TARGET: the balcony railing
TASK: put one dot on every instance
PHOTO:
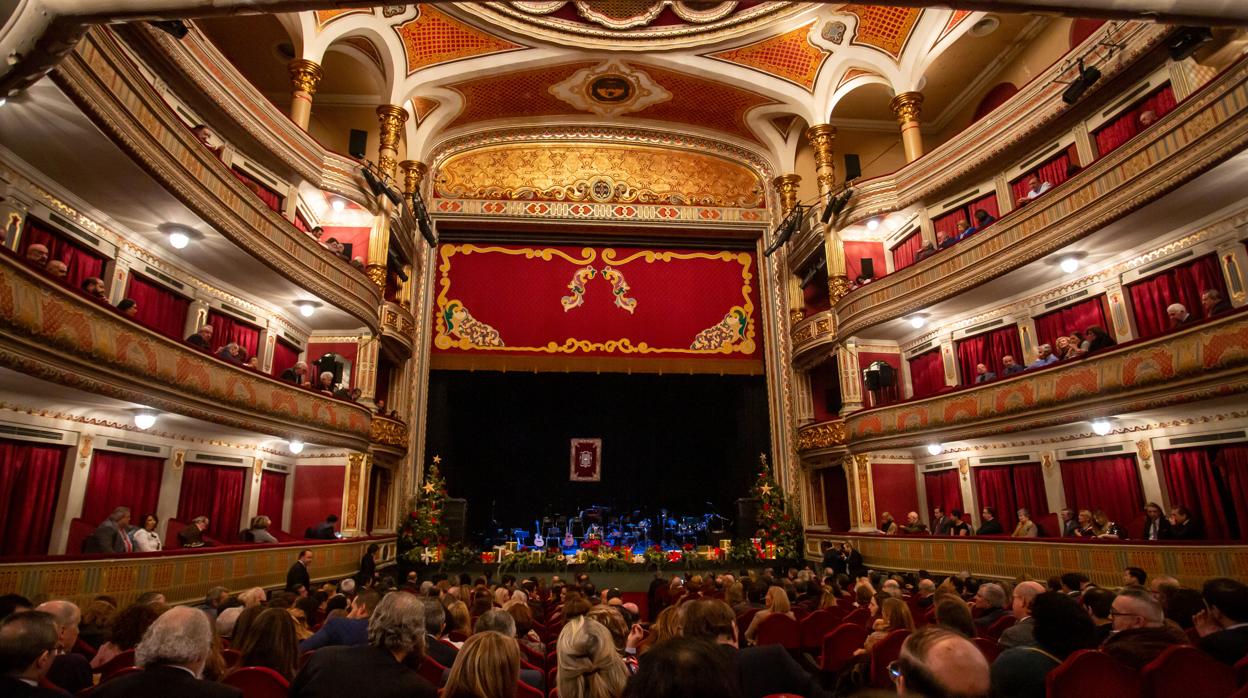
(821, 436)
(397, 329)
(111, 90)
(390, 435)
(811, 334)
(1201, 132)
(52, 332)
(1202, 361)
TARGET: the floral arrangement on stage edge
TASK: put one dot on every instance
(778, 517)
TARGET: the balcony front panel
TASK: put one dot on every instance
(1198, 363)
(388, 436)
(1200, 133)
(56, 334)
(822, 436)
(100, 78)
(398, 327)
(812, 334)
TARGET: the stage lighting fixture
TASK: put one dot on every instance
(1087, 78)
(422, 218)
(935, 449)
(785, 230)
(295, 446)
(173, 27)
(3, 101)
(307, 308)
(835, 205)
(1102, 427)
(144, 419)
(1183, 43)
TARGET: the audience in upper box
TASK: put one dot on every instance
(202, 338)
(192, 536)
(146, 538)
(1212, 302)
(1026, 528)
(112, 535)
(1178, 315)
(1034, 189)
(1045, 357)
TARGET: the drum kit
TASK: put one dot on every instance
(635, 529)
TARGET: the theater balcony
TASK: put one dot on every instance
(388, 436)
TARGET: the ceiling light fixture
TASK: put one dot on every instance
(307, 308)
(144, 419)
(295, 446)
(4, 101)
(1070, 265)
(935, 449)
(179, 240)
(873, 224)
(1102, 427)
(337, 204)
(917, 321)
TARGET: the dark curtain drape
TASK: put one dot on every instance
(927, 373)
(1182, 284)
(1054, 171)
(987, 349)
(270, 198)
(1111, 483)
(382, 389)
(1213, 483)
(943, 489)
(1127, 125)
(1008, 488)
(948, 223)
(226, 329)
(30, 483)
(1029, 489)
(836, 498)
(83, 263)
(904, 252)
(273, 496)
(285, 355)
(158, 308)
(216, 492)
(1231, 463)
(122, 480)
(1072, 318)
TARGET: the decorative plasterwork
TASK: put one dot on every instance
(368, 49)
(324, 17)
(819, 436)
(611, 88)
(789, 56)
(422, 107)
(812, 333)
(601, 173)
(433, 37)
(884, 28)
(954, 20)
(854, 73)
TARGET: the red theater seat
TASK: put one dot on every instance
(884, 653)
(743, 623)
(779, 629)
(432, 671)
(1091, 673)
(813, 627)
(79, 529)
(858, 616)
(1050, 526)
(1183, 670)
(116, 664)
(991, 649)
(258, 682)
(524, 690)
(1000, 625)
(839, 645)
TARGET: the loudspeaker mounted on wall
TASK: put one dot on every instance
(853, 167)
(868, 267)
(358, 143)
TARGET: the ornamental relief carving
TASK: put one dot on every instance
(824, 435)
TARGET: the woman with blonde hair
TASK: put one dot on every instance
(227, 618)
(458, 619)
(894, 615)
(665, 627)
(589, 666)
(777, 602)
(828, 599)
(487, 666)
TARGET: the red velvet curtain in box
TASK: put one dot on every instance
(122, 480)
(272, 496)
(904, 252)
(1111, 483)
(987, 348)
(30, 483)
(987, 204)
(300, 222)
(1182, 284)
(1213, 483)
(1232, 465)
(216, 492)
(226, 329)
(285, 355)
(1072, 318)
(1029, 490)
(1008, 488)
(1054, 171)
(927, 373)
(948, 223)
(158, 308)
(944, 489)
(83, 263)
(1127, 125)
(270, 198)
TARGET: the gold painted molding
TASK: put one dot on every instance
(812, 336)
(816, 437)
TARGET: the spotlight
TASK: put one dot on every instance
(179, 240)
(1087, 78)
(786, 229)
(295, 446)
(873, 224)
(338, 205)
(935, 449)
(835, 205)
(917, 321)
(144, 419)
(1102, 427)
(1070, 265)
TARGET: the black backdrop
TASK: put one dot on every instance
(677, 441)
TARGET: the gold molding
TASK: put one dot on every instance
(390, 120)
(786, 187)
(822, 138)
(822, 435)
(304, 75)
(907, 106)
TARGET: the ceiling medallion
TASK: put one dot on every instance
(612, 88)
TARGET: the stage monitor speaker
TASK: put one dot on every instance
(853, 167)
(868, 267)
(747, 516)
(357, 143)
(454, 515)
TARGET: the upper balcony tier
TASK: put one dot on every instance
(55, 333)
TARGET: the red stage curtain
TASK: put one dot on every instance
(270, 198)
(1054, 171)
(83, 263)
(285, 355)
(927, 373)
(1127, 125)
(1111, 483)
(272, 496)
(30, 483)
(1072, 318)
(904, 252)
(1182, 284)
(216, 492)
(943, 489)
(987, 349)
(1029, 490)
(948, 223)
(226, 329)
(158, 308)
(995, 488)
(122, 480)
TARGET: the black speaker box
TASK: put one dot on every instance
(747, 516)
(454, 516)
(853, 166)
(358, 143)
(868, 267)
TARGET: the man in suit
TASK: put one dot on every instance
(1178, 315)
(935, 661)
(69, 671)
(298, 573)
(1069, 523)
(1212, 302)
(1183, 526)
(1009, 366)
(297, 374)
(396, 633)
(940, 522)
(990, 600)
(1156, 525)
(1022, 633)
(323, 530)
(202, 338)
(990, 526)
(351, 630)
(1223, 625)
(1140, 632)
(172, 655)
(762, 670)
(983, 375)
(435, 626)
(193, 535)
(111, 535)
(27, 650)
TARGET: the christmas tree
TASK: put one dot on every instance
(778, 517)
(424, 526)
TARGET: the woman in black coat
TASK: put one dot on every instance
(368, 567)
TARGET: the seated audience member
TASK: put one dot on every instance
(112, 535)
(232, 353)
(228, 618)
(777, 601)
(964, 230)
(685, 668)
(1134, 577)
(192, 536)
(1069, 524)
(953, 613)
(1140, 630)
(1085, 527)
(957, 526)
(37, 255)
(1223, 625)
(588, 664)
(297, 575)
(499, 621)
(487, 667)
(943, 241)
(259, 530)
(1156, 525)
(323, 530)
(894, 615)
(173, 655)
(990, 526)
(126, 631)
(436, 645)
(1034, 189)
(1212, 303)
(57, 270)
(208, 139)
(147, 539)
(1045, 357)
(1096, 339)
(913, 525)
(1183, 526)
(983, 375)
(887, 526)
(1021, 633)
(202, 338)
(1064, 349)
(761, 671)
(925, 250)
(1026, 528)
(350, 630)
(297, 374)
(1061, 628)
(69, 671)
(325, 382)
(97, 618)
(983, 219)
(271, 643)
(14, 603)
(1009, 366)
(27, 650)
(94, 286)
(128, 307)
(396, 639)
(925, 596)
(940, 523)
(1099, 604)
(1106, 528)
(1178, 315)
(990, 601)
(935, 661)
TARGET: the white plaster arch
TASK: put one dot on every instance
(384, 39)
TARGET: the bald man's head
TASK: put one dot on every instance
(66, 616)
(1024, 594)
(939, 662)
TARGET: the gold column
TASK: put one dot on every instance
(390, 119)
(786, 187)
(413, 175)
(907, 106)
(822, 137)
(304, 77)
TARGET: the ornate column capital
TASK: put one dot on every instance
(413, 174)
(390, 119)
(907, 106)
(822, 137)
(304, 75)
(786, 187)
